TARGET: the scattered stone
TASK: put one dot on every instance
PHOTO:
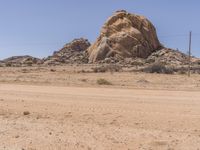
(84, 80)
(168, 56)
(26, 113)
(143, 81)
(52, 70)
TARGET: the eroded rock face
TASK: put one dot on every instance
(125, 35)
(73, 52)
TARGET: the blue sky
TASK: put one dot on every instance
(39, 27)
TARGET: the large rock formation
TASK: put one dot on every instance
(73, 52)
(125, 35)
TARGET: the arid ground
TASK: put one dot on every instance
(59, 108)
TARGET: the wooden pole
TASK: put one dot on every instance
(189, 54)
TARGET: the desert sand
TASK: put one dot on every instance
(45, 109)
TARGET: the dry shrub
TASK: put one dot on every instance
(29, 63)
(24, 70)
(99, 69)
(182, 70)
(102, 81)
(107, 68)
(84, 80)
(53, 70)
(158, 68)
(8, 64)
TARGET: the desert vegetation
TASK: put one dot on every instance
(102, 81)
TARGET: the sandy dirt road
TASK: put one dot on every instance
(98, 118)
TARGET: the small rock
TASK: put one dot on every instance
(26, 113)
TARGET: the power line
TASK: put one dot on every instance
(178, 35)
(64, 42)
(175, 35)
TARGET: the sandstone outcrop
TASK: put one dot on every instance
(125, 35)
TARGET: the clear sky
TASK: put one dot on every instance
(39, 27)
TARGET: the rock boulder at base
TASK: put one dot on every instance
(168, 56)
(125, 35)
(73, 52)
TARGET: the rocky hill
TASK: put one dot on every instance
(73, 52)
(124, 39)
(17, 61)
(168, 56)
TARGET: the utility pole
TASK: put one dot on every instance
(189, 54)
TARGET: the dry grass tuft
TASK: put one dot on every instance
(102, 81)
